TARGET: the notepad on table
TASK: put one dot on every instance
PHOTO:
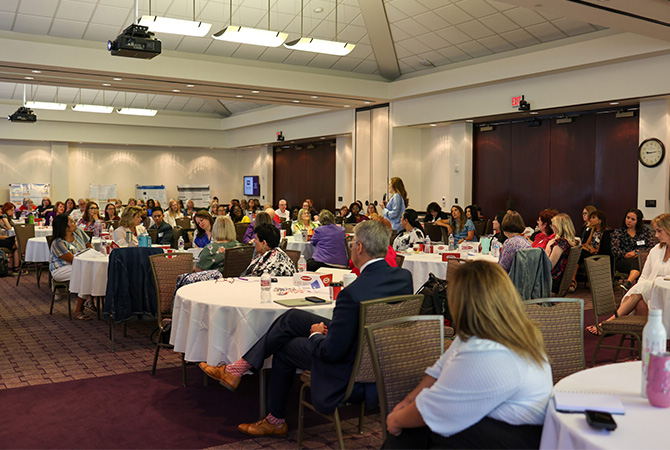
(298, 302)
(571, 401)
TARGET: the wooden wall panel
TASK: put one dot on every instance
(571, 185)
(491, 169)
(529, 169)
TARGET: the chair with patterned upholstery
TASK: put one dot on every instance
(240, 229)
(570, 268)
(294, 255)
(628, 327)
(371, 311)
(433, 231)
(237, 260)
(23, 232)
(452, 265)
(166, 268)
(401, 350)
(561, 322)
(399, 260)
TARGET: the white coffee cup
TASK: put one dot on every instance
(348, 278)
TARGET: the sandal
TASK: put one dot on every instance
(573, 286)
(89, 305)
(593, 330)
(81, 316)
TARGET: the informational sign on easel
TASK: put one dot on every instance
(154, 192)
(199, 195)
(102, 192)
(34, 191)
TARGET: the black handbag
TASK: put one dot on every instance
(434, 292)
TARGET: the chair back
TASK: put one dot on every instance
(452, 266)
(561, 322)
(237, 260)
(184, 222)
(642, 258)
(177, 234)
(286, 225)
(570, 268)
(480, 227)
(347, 241)
(23, 233)
(374, 311)
(399, 260)
(283, 243)
(433, 231)
(89, 233)
(240, 229)
(50, 240)
(489, 227)
(113, 223)
(153, 234)
(531, 273)
(349, 227)
(166, 268)
(401, 350)
(600, 282)
(294, 255)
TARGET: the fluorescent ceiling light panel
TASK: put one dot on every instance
(159, 24)
(320, 46)
(93, 109)
(137, 112)
(253, 36)
(46, 105)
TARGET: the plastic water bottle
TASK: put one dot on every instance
(266, 284)
(111, 231)
(452, 242)
(653, 341)
(302, 264)
(496, 249)
(180, 243)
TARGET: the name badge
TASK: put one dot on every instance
(161, 235)
(640, 243)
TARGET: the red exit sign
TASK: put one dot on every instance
(516, 101)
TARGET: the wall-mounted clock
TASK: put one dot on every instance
(651, 152)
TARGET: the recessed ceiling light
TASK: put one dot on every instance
(29, 78)
(117, 79)
(614, 103)
(367, 103)
(433, 125)
(323, 138)
(468, 120)
(36, 71)
(296, 101)
(190, 85)
(176, 90)
(346, 106)
(255, 92)
(106, 84)
(239, 96)
(318, 10)
(315, 96)
(533, 112)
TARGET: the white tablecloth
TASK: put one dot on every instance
(42, 231)
(37, 250)
(306, 248)
(220, 321)
(89, 274)
(660, 299)
(422, 264)
(642, 427)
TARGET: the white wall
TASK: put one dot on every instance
(653, 182)
(344, 173)
(23, 162)
(406, 162)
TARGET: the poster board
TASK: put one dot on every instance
(102, 192)
(35, 191)
(199, 195)
(155, 192)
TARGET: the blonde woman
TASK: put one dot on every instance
(130, 221)
(459, 225)
(212, 257)
(558, 248)
(173, 213)
(491, 388)
(396, 206)
(657, 266)
(304, 222)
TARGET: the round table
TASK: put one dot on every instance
(422, 264)
(37, 250)
(219, 321)
(641, 427)
(89, 274)
(43, 231)
(306, 248)
(660, 299)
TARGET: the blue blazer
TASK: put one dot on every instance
(333, 354)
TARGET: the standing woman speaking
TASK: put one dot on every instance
(396, 206)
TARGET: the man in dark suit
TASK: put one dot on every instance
(302, 340)
(165, 233)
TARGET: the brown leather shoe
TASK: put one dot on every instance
(264, 428)
(220, 374)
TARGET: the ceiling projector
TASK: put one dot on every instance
(136, 41)
(23, 114)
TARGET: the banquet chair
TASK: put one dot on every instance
(184, 222)
(294, 255)
(165, 268)
(240, 229)
(628, 327)
(58, 287)
(153, 234)
(401, 350)
(480, 227)
(347, 241)
(283, 243)
(489, 227)
(237, 260)
(112, 223)
(371, 311)
(399, 260)
(177, 234)
(570, 268)
(452, 265)
(434, 232)
(561, 322)
(286, 225)
(530, 273)
(349, 227)
(23, 232)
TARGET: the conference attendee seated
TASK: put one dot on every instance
(391, 255)
(203, 228)
(627, 242)
(151, 204)
(172, 213)
(130, 222)
(559, 247)
(262, 217)
(77, 214)
(355, 215)
(238, 216)
(512, 226)
(221, 210)
(59, 208)
(459, 225)
(303, 223)
(269, 257)
(26, 207)
(412, 232)
(544, 234)
(111, 212)
(328, 240)
(119, 208)
(45, 207)
(165, 233)
(68, 240)
(91, 218)
(9, 242)
(281, 212)
(497, 228)
(212, 257)
(434, 212)
(302, 340)
(490, 389)
(344, 211)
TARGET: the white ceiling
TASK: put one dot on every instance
(426, 34)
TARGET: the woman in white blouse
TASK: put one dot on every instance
(173, 213)
(412, 232)
(130, 222)
(491, 388)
